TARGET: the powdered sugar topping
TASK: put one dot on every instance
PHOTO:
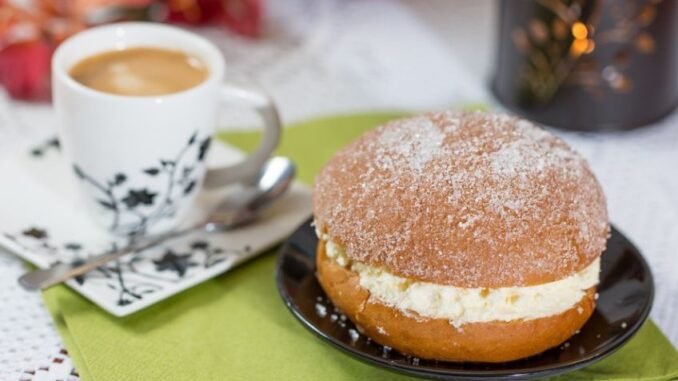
(415, 142)
(460, 198)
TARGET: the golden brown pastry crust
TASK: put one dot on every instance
(463, 199)
(437, 338)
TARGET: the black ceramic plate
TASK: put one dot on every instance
(626, 291)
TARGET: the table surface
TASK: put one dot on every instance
(334, 56)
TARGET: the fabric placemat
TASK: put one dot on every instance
(236, 326)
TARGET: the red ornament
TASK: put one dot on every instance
(241, 16)
(25, 69)
(193, 12)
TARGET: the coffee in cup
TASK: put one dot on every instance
(140, 71)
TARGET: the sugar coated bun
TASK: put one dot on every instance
(461, 236)
(464, 199)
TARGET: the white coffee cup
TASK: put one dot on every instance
(139, 160)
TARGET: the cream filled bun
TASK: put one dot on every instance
(461, 236)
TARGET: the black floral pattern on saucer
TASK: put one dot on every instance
(49, 145)
(140, 274)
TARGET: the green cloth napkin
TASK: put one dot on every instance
(236, 327)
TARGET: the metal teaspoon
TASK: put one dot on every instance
(238, 209)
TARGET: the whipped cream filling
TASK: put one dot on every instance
(469, 305)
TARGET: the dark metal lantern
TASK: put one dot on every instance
(588, 64)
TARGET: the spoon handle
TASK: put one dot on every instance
(44, 278)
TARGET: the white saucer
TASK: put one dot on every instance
(42, 222)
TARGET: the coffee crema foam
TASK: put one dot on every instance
(140, 71)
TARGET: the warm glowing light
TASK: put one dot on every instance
(579, 30)
(579, 47)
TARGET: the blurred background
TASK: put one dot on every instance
(273, 41)
(400, 54)
(575, 64)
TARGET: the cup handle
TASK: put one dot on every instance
(236, 94)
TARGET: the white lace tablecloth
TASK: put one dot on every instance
(332, 56)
